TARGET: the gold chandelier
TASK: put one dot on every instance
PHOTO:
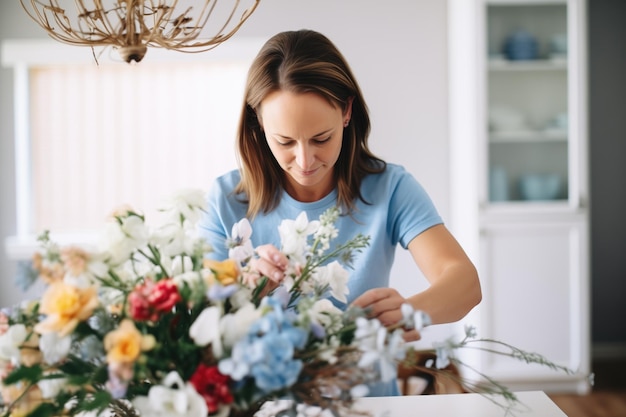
(131, 26)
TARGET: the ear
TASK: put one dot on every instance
(347, 112)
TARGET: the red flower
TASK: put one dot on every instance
(212, 386)
(150, 299)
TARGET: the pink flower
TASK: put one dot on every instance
(4, 323)
(149, 300)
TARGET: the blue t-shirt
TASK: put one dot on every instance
(399, 210)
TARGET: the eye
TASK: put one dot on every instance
(284, 143)
(321, 141)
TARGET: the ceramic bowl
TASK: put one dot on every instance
(538, 187)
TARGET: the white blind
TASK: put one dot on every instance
(103, 136)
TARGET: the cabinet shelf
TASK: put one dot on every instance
(551, 64)
(525, 207)
(525, 136)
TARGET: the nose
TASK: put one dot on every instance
(304, 156)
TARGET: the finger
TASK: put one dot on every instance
(271, 254)
(268, 269)
(370, 297)
(411, 336)
(386, 301)
(389, 317)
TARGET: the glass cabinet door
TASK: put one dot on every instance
(527, 101)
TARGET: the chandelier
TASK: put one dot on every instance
(131, 26)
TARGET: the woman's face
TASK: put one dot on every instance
(305, 133)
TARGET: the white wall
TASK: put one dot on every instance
(397, 49)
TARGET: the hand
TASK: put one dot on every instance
(271, 263)
(385, 305)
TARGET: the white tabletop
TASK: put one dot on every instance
(531, 403)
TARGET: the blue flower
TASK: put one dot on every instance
(267, 351)
(218, 292)
(279, 369)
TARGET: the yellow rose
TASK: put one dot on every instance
(65, 306)
(126, 343)
(226, 272)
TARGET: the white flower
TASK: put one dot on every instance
(324, 235)
(120, 240)
(173, 398)
(53, 347)
(328, 351)
(171, 239)
(336, 277)
(366, 333)
(414, 319)
(241, 231)
(294, 234)
(273, 408)
(241, 298)
(234, 326)
(206, 329)
(326, 314)
(180, 265)
(186, 204)
(241, 253)
(50, 388)
(304, 410)
(241, 248)
(385, 352)
(191, 278)
(444, 352)
(11, 341)
(95, 268)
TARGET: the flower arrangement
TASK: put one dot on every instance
(148, 325)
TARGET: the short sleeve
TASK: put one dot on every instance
(222, 211)
(411, 210)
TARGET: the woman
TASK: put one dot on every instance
(302, 144)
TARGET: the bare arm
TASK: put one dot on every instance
(454, 285)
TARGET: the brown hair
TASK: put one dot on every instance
(301, 61)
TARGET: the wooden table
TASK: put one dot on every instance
(531, 403)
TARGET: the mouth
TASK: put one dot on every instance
(309, 172)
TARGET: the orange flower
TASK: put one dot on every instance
(66, 306)
(124, 344)
(225, 272)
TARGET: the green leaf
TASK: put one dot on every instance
(76, 366)
(31, 374)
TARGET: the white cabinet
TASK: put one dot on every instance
(535, 297)
(519, 179)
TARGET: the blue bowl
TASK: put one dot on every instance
(521, 45)
(537, 187)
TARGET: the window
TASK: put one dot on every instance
(91, 137)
